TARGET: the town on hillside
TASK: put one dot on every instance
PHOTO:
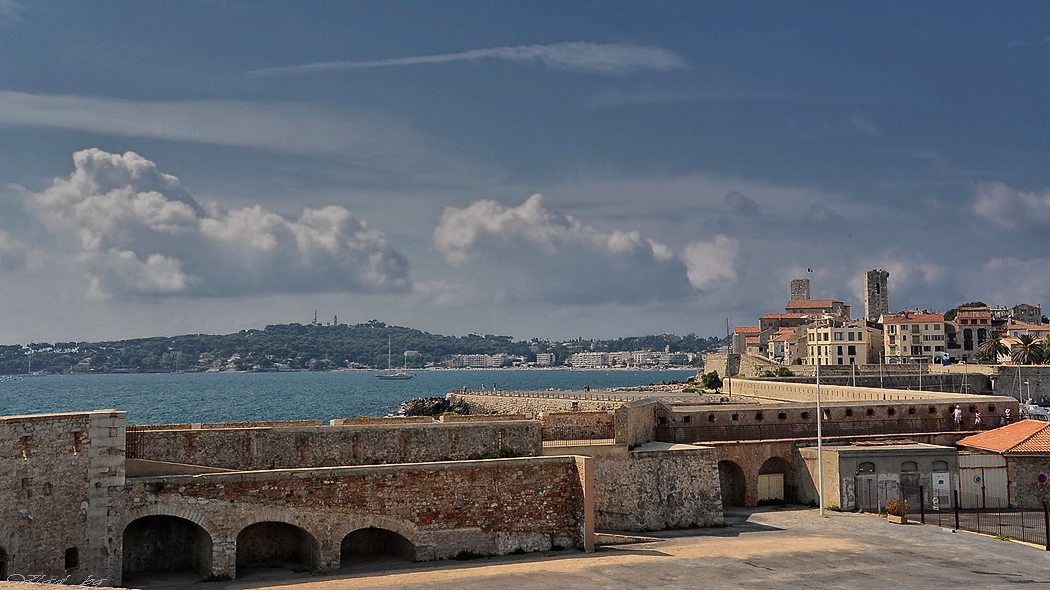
(823, 332)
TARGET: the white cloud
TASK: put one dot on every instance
(595, 58)
(135, 230)
(862, 125)
(14, 255)
(711, 262)
(538, 253)
(1010, 208)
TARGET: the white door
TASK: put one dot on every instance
(982, 481)
(771, 486)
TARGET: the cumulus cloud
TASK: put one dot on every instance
(710, 262)
(136, 230)
(540, 253)
(595, 58)
(1010, 208)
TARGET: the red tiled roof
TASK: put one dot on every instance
(753, 340)
(785, 316)
(747, 330)
(1024, 436)
(811, 303)
(914, 318)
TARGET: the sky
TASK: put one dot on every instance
(533, 169)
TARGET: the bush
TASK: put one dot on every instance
(897, 507)
(785, 372)
(797, 361)
(711, 381)
(767, 373)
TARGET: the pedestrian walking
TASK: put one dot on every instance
(957, 413)
(977, 420)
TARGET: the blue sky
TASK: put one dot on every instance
(534, 169)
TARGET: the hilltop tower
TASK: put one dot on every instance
(800, 289)
(876, 294)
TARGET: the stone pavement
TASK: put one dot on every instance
(764, 548)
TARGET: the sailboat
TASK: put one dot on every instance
(391, 375)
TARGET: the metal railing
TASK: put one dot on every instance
(780, 430)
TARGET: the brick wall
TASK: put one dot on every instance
(578, 425)
(329, 446)
(485, 507)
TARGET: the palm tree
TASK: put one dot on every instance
(1044, 350)
(993, 348)
(1027, 352)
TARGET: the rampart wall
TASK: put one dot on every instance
(578, 425)
(329, 446)
(60, 473)
(485, 507)
(533, 403)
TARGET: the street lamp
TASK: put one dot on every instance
(1029, 388)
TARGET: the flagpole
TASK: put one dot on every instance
(820, 439)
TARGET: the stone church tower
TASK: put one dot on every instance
(876, 294)
(800, 289)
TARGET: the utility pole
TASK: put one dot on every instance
(820, 442)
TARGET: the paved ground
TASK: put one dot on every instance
(794, 548)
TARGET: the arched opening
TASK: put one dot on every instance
(275, 545)
(3, 564)
(372, 544)
(776, 482)
(731, 479)
(166, 546)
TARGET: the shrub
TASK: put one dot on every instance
(897, 507)
(785, 372)
(711, 381)
(797, 361)
(767, 373)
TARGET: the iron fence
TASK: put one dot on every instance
(808, 429)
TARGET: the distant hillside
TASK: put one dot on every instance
(304, 347)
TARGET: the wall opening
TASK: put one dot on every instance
(276, 545)
(789, 489)
(72, 558)
(3, 564)
(731, 480)
(165, 546)
(373, 544)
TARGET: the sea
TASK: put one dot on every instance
(174, 398)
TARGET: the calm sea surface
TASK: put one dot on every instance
(234, 397)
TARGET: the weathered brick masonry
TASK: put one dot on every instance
(487, 507)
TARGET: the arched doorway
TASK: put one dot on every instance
(165, 546)
(374, 544)
(776, 482)
(731, 479)
(276, 545)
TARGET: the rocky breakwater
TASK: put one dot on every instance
(432, 406)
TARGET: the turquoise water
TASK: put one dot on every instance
(235, 397)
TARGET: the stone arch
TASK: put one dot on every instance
(733, 483)
(374, 544)
(406, 529)
(172, 510)
(162, 544)
(270, 543)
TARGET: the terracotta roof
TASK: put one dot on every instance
(913, 318)
(811, 303)
(747, 330)
(785, 316)
(753, 340)
(1024, 436)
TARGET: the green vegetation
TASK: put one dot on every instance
(711, 381)
(1003, 537)
(298, 347)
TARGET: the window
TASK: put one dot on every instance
(851, 350)
(838, 336)
(758, 416)
(840, 350)
(710, 417)
(686, 419)
(893, 329)
(849, 412)
(911, 410)
(909, 467)
(933, 410)
(782, 416)
(891, 412)
(940, 466)
(804, 415)
(870, 412)
(72, 558)
(851, 336)
(734, 417)
(866, 467)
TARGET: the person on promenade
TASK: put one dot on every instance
(957, 413)
(977, 420)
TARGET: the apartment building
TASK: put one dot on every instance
(914, 336)
(836, 342)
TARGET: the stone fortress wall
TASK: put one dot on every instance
(355, 442)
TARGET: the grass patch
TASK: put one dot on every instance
(1003, 537)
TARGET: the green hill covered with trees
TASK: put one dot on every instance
(304, 347)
